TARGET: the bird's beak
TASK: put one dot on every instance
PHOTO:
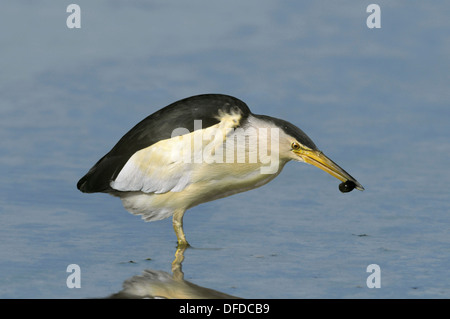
(318, 159)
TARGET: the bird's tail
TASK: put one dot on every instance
(83, 184)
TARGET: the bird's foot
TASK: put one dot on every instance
(183, 245)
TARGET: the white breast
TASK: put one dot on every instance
(194, 168)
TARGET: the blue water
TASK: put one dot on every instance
(374, 100)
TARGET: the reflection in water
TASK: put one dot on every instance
(160, 284)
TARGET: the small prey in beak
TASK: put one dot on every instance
(318, 159)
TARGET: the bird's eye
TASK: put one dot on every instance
(295, 146)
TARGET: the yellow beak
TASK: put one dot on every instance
(318, 159)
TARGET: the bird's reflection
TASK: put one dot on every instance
(160, 284)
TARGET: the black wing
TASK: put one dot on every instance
(156, 127)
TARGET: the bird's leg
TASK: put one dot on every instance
(178, 227)
(177, 273)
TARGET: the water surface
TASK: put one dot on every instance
(375, 101)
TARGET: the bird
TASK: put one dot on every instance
(199, 149)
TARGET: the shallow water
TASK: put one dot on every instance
(375, 101)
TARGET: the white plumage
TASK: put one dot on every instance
(150, 178)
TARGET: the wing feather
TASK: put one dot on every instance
(168, 165)
(153, 129)
(155, 169)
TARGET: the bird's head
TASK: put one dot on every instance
(294, 144)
